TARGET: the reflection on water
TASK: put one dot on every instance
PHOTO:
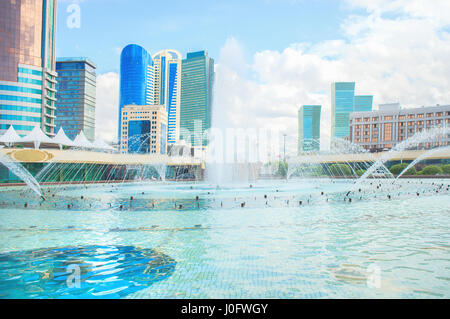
(81, 272)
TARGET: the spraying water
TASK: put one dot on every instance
(18, 170)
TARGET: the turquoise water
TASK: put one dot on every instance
(272, 239)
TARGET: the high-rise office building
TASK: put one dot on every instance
(75, 105)
(197, 82)
(27, 65)
(309, 128)
(342, 104)
(363, 103)
(136, 79)
(144, 129)
(167, 89)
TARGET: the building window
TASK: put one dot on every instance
(388, 132)
(388, 118)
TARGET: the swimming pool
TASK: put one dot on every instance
(271, 239)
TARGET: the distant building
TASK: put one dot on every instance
(344, 102)
(136, 79)
(76, 91)
(27, 65)
(167, 89)
(197, 84)
(144, 129)
(309, 128)
(383, 129)
(363, 103)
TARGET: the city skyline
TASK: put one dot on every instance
(252, 80)
(298, 71)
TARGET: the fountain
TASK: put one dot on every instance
(18, 170)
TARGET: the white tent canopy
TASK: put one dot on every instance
(10, 136)
(62, 139)
(101, 145)
(37, 137)
(82, 141)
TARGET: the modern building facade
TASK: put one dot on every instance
(363, 103)
(144, 129)
(344, 102)
(27, 65)
(383, 129)
(136, 79)
(167, 89)
(197, 84)
(309, 128)
(76, 92)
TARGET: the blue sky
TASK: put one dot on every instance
(109, 25)
(272, 56)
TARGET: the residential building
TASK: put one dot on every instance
(309, 128)
(197, 83)
(144, 129)
(76, 92)
(27, 65)
(384, 128)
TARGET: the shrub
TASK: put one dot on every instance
(446, 169)
(340, 170)
(432, 170)
(398, 168)
(360, 172)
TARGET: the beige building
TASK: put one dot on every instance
(384, 128)
(144, 129)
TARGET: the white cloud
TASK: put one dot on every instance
(106, 112)
(398, 52)
(403, 58)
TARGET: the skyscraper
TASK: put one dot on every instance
(167, 89)
(136, 79)
(75, 105)
(309, 128)
(342, 104)
(27, 65)
(363, 103)
(197, 82)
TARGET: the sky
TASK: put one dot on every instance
(272, 56)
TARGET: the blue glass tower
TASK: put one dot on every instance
(136, 78)
(309, 128)
(363, 103)
(197, 85)
(76, 90)
(342, 104)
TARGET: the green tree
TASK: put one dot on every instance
(360, 172)
(446, 169)
(432, 170)
(282, 168)
(398, 168)
(340, 170)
